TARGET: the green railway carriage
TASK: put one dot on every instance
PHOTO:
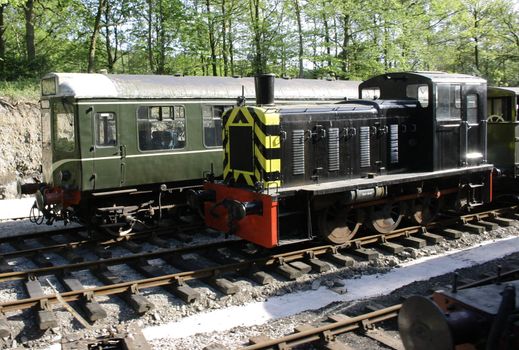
(503, 130)
(118, 149)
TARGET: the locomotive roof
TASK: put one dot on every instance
(437, 77)
(123, 86)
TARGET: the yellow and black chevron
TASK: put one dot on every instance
(252, 147)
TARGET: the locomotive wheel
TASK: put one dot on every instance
(338, 224)
(386, 217)
(424, 210)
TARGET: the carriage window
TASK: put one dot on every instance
(370, 93)
(161, 127)
(448, 101)
(212, 119)
(472, 108)
(64, 127)
(106, 129)
(419, 92)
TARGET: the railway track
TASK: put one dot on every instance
(338, 325)
(210, 263)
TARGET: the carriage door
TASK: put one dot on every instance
(108, 154)
(448, 124)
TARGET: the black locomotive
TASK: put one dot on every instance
(414, 144)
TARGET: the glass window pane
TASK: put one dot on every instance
(472, 108)
(212, 120)
(106, 130)
(419, 92)
(448, 101)
(161, 132)
(64, 127)
(370, 93)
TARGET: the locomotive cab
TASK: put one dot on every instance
(450, 119)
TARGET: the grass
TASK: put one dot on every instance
(23, 89)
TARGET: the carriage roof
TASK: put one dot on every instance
(122, 86)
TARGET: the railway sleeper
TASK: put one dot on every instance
(181, 290)
(413, 242)
(88, 304)
(259, 276)
(450, 233)
(501, 221)
(391, 247)
(45, 317)
(366, 253)
(4, 266)
(66, 253)
(431, 238)
(489, 226)
(222, 284)
(138, 302)
(473, 228)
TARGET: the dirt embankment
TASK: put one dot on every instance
(20, 143)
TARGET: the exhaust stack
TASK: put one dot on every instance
(264, 84)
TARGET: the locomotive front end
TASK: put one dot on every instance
(242, 204)
(59, 191)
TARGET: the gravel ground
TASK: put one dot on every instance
(169, 308)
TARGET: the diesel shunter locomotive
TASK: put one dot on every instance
(413, 145)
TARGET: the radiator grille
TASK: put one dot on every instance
(298, 152)
(333, 149)
(365, 159)
(393, 143)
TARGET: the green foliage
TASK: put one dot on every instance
(20, 89)
(346, 39)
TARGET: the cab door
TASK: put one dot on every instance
(474, 124)
(448, 125)
(108, 153)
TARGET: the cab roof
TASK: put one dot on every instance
(435, 77)
(123, 86)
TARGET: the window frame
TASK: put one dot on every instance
(148, 119)
(454, 101)
(96, 130)
(211, 106)
(58, 108)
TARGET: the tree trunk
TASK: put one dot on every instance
(150, 37)
(224, 39)
(300, 37)
(346, 44)
(28, 10)
(212, 42)
(93, 38)
(258, 64)
(109, 57)
(327, 41)
(161, 35)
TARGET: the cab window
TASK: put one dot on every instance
(448, 101)
(212, 120)
(106, 129)
(472, 108)
(371, 93)
(64, 136)
(419, 92)
(161, 127)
